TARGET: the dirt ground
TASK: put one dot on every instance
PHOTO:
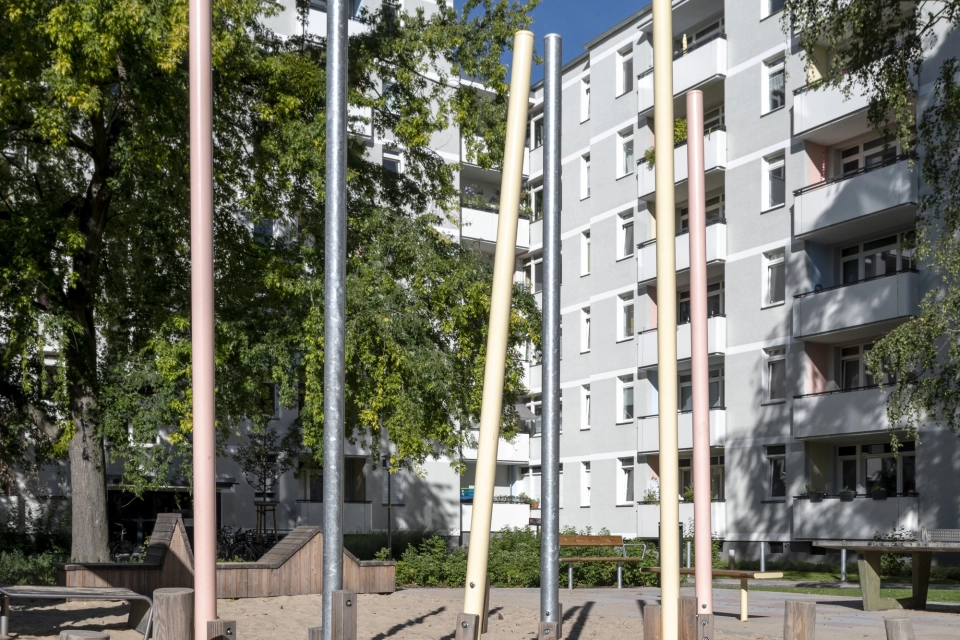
(430, 614)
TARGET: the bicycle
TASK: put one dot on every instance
(124, 550)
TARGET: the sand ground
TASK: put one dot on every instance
(430, 614)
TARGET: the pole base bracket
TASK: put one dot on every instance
(705, 626)
(468, 627)
(222, 630)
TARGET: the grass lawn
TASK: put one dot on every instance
(933, 595)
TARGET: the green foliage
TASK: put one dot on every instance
(679, 138)
(367, 546)
(881, 45)
(16, 567)
(895, 564)
(264, 457)
(35, 532)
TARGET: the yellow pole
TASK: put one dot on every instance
(666, 319)
(493, 373)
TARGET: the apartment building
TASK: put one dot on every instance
(807, 211)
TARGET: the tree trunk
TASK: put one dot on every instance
(89, 526)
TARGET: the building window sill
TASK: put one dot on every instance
(773, 501)
(626, 339)
(630, 421)
(773, 208)
(626, 175)
(762, 115)
(772, 305)
(583, 352)
(626, 257)
(624, 504)
(772, 402)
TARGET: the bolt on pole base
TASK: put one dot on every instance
(221, 630)
(344, 615)
(552, 630)
(468, 627)
(705, 626)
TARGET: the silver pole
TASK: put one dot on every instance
(335, 307)
(843, 565)
(763, 556)
(688, 554)
(550, 440)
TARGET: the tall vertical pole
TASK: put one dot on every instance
(666, 318)
(504, 265)
(335, 308)
(550, 441)
(702, 529)
(201, 312)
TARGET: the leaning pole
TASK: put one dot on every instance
(550, 613)
(201, 318)
(701, 379)
(666, 318)
(504, 265)
(335, 310)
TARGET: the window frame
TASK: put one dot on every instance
(584, 99)
(585, 256)
(624, 384)
(768, 9)
(625, 306)
(530, 273)
(585, 483)
(626, 481)
(536, 132)
(626, 166)
(773, 356)
(585, 327)
(392, 155)
(625, 80)
(772, 163)
(772, 458)
(586, 413)
(772, 67)
(771, 260)
(625, 221)
(585, 176)
(862, 254)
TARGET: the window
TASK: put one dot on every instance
(685, 392)
(854, 373)
(391, 9)
(625, 242)
(585, 99)
(585, 407)
(625, 482)
(775, 278)
(713, 119)
(715, 302)
(391, 160)
(312, 482)
(686, 476)
(536, 202)
(847, 468)
(585, 176)
(585, 253)
(716, 384)
(625, 330)
(624, 71)
(773, 6)
(777, 463)
(775, 191)
(717, 479)
(538, 132)
(871, 153)
(537, 407)
(268, 400)
(775, 89)
(533, 274)
(585, 330)
(532, 480)
(879, 257)
(714, 210)
(354, 481)
(584, 484)
(625, 410)
(626, 163)
(776, 374)
(869, 467)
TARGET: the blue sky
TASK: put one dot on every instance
(577, 22)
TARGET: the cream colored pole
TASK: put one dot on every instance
(504, 266)
(666, 319)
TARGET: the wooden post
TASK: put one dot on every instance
(173, 614)
(468, 627)
(344, 615)
(486, 607)
(799, 620)
(83, 635)
(688, 618)
(221, 629)
(315, 633)
(705, 626)
(651, 622)
(732, 559)
(899, 629)
(744, 599)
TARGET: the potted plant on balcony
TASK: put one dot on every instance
(814, 493)
(650, 496)
(847, 494)
(878, 493)
(688, 493)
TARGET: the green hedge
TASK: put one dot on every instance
(19, 568)
(366, 545)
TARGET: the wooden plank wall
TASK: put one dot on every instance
(292, 568)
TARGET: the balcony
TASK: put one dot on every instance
(714, 159)
(480, 222)
(504, 515)
(703, 63)
(857, 310)
(716, 251)
(824, 116)
(357, 516)
(648, 431)
(517, 452)
(716, 342)
(884, 197)
(840, 413)
(834, 519)
(648, 518)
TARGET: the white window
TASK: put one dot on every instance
(537, 132)
(774, 278)
(625, 482)
(585, 99)
(532, 480)
(585, 253)
(872, 153)
(877, 258)
(774, 182)
(536, 202)
(533, 274)
(585, 330)
(624, 71)
(584, 484)
(560, 487)
(585, 176)
(715, 302)
(775, 88)
(537, 406)
(715, 209)
(392, 160)
(716, 384)
(685, 392)
(777, 470)
(311, 481)
(625, 243)
(713, 119)
(625, 329)
(625, 399)
(626, 163)
(776, 374)
(772, 6)
(879, 468)
(585, 407)
(854, 373)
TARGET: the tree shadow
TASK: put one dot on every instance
(397, 628)
(577, 628)
(42, 619)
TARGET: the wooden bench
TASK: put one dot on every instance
(597, 541)
(84, 593)
(744, 576)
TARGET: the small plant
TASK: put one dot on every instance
(650, 496)
(688, 493)
(679, 137)
(894, 564)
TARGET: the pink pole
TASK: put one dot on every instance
(702, 531)
(201, 299)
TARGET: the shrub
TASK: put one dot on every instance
(39, 569)
(366, 545)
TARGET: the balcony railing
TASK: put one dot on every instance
(860, 519)
(836, 391)
(480, 204)
(854, 174)
(820, 289)
(711, 221)
(690, 49)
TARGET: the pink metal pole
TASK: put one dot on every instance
(702, 530)
(201, 299)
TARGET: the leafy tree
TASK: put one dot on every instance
(264, 457)
(94, 221)
(887, 50)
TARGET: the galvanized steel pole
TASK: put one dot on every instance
(550, 440)
(335, 307)
(202, 318)
(702, 529)
(666, 319)
(504, 265)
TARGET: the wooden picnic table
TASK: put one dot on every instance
(61, 593)
(868, 563)
(743, 575)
